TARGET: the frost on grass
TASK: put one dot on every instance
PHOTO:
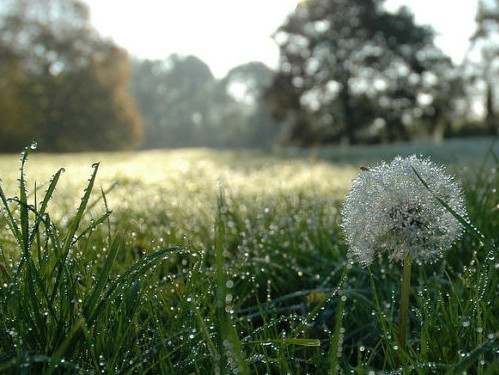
(389, 210)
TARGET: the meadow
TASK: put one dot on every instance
(197, 261)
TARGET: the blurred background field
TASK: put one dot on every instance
(189, 172)
(179, 187)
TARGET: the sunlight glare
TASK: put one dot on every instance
(223, 33)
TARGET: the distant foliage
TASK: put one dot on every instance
(60, 83)
(352, 71)
(484, 71)
(183, 105)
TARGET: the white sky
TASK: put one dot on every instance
(226, 33)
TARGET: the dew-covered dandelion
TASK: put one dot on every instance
(396, 209)
(390, 211)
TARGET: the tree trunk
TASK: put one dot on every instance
(348, 111)
(491, 119)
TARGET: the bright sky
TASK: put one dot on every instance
(227, 33)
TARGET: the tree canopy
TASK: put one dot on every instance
(60, 82)
(350, 70)
(486, 71)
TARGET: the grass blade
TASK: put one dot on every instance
(229, 343)
(335, 339)
(471, 229)
(90, 303)
(11, 222)
(24, 205)
(61, 350)
(92, 226)
(129, 276)
(290, 341)
(79, 214)
(45, 202)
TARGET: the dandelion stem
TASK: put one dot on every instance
(404, 301)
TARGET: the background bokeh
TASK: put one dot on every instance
(345, 72)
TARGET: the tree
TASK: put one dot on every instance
(174, 97)
(486, 70)
(246, 84)
(183, 105)
(351, 70)
(14, 125)
(70, 84)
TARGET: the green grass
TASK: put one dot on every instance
(231, 262)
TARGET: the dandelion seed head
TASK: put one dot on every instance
(388, 210)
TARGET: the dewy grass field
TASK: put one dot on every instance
(233, 262)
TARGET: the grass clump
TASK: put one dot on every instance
(178, 281)
(61, 310)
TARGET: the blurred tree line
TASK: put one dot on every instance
(349, 72)
(183, 105)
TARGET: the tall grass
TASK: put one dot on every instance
(254, 281)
